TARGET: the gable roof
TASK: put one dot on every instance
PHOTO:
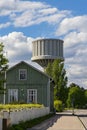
(23, 62)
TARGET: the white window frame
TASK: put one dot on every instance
(31, 95)
(12, 93)
(25, 70)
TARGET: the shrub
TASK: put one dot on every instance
(17, 127)
(19, 106)
(58, 105)
(11, 128)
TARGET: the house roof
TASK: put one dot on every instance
(23, 62)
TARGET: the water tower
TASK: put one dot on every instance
(47, 50)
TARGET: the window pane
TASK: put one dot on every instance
(13, 95)
(22, 74)
(32, 95)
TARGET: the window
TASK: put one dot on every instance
(32, 95)
(22, 74)
(12, 95)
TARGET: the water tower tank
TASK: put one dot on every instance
(47, 50)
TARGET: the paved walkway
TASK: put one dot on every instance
(84, 121)
(60, 122)
(67, 123)
(46, 124)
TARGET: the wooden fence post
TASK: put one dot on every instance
(5, 123)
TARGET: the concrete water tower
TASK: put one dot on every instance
(47, 50)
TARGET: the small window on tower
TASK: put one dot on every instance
(22, 74)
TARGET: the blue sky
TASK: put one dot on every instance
(22, 21)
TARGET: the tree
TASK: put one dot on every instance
(76, 96)
(85, 94)
(3, 67)
(57, 72)
(48, 69)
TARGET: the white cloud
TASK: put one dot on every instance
(77, 23)
(4, 25)
(6, 7)
(37, 16)
(75, 48)
(48, 11)
(17, 46)
(75, 38)
(27, 13)
(77, 74)
(74, 31)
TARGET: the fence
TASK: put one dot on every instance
(0, 124)
(14, 117)
(1, 120)
(25, 114)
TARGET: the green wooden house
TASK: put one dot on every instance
(24, 83)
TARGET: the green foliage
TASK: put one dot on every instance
(85, 94)
(3, 59)
(3, 67)
(58, 74)
(58, 105)
(75, 97)
(48, 69)
(16, 127)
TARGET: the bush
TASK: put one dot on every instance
(58, 105)
(19, 106)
